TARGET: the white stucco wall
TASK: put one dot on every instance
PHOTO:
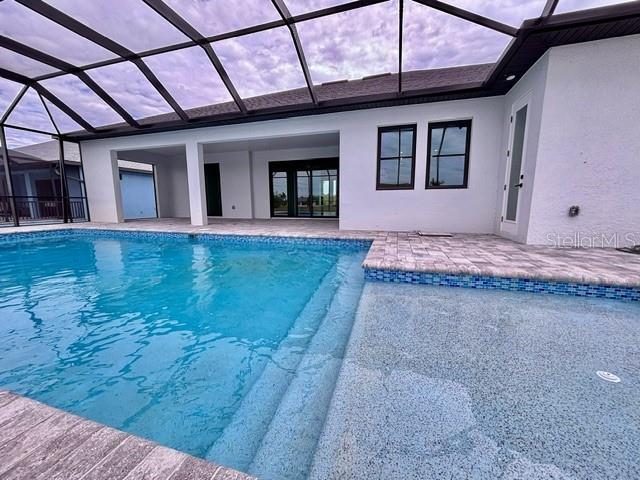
(102, 180)
(589, 146)
(361, 205)
(172, 187)
(459, 210)
(235, 183)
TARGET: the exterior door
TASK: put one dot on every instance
(305, 188)
(514, 177)
(212, 188)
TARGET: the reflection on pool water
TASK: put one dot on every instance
(171, 338)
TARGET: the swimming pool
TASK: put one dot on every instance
(209, 345)
(241, 351)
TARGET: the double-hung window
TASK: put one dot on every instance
(448, 157)
(396, 157)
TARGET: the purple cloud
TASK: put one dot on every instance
(30, 113)
(511, 12)
(20, 138)
(433, 39)
(296, 7)
(262, 62)
(62, 120)
(212, 17)
(80, 98)
(189, 76)
(8, 91)
(30, 28)
(23, 65)
(131, 89)
(352, 44)
(572, 5)
(130, 23)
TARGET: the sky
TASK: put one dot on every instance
(348, 45)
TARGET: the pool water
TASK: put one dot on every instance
(204, 346)
(449, 383)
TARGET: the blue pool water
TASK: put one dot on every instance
(194, 344)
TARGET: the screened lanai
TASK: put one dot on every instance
(74, 70)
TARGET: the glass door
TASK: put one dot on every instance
(307, 188)
(324, 192)
(303, 193)
(514, 178)
(279, 194)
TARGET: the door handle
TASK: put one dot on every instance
(518, 185)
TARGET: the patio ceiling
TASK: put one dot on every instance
(81, 69)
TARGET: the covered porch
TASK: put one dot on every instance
(284, 177)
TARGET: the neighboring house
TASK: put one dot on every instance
(35, 177)
(137, 187)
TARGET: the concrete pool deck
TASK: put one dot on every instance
(39, 441)
(460, 254)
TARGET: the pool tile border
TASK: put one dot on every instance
(504, 283)
(357, 244)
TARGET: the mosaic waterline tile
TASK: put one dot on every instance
(504, 283)
(201, 237)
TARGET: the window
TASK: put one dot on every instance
(448, 157)
(396, 157)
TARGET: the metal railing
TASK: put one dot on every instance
(42, 209)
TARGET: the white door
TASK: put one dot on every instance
(514, 176)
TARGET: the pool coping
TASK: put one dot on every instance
(376, 266)
(40, 440)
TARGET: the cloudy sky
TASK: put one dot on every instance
(349, 45)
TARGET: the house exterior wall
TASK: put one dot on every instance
(361, 205)
(458, 210)
(589, 146)
(583, 148)
(102, 180)
(235, 183)
(172, 188)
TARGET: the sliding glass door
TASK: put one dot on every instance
(306, 188)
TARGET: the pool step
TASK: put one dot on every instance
(287, 448)
(240, 440)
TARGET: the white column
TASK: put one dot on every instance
(29, 191)
(100, 167)
(253, 199)
(195, 180)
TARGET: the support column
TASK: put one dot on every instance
(102, 180)
(195, 180)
